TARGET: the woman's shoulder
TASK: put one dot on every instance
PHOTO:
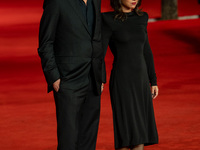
(141, 18)
(109, 14)
(108, 17)
(145, 15)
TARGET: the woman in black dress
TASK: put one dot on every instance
(133, 82)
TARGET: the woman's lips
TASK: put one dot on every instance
(134, 3)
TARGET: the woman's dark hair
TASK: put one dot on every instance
(116, 5)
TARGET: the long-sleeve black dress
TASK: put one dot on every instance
(132, 73)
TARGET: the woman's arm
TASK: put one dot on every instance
(106, 35)
(150, 67)
(150, 63)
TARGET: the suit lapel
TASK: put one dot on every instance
(96, 16)
(75, 5)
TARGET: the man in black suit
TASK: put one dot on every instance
(72, 60)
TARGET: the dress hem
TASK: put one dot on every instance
(128, 145)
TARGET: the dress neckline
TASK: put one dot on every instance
(130, 13)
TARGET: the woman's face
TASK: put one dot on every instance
(128, 5)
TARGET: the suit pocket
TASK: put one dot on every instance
(69, 66)
(73, 71)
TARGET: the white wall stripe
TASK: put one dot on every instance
(179, 18)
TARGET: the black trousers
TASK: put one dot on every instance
(78, 114)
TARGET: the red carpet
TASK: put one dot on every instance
(27, 112)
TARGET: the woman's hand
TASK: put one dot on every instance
(154, 91)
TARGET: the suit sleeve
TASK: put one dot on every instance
(149, 62)
(106, 35)
(47, 33)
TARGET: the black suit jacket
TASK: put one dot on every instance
(67, 49)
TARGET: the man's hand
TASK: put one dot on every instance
(56, 85)
(154, 91)
(102, 86)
